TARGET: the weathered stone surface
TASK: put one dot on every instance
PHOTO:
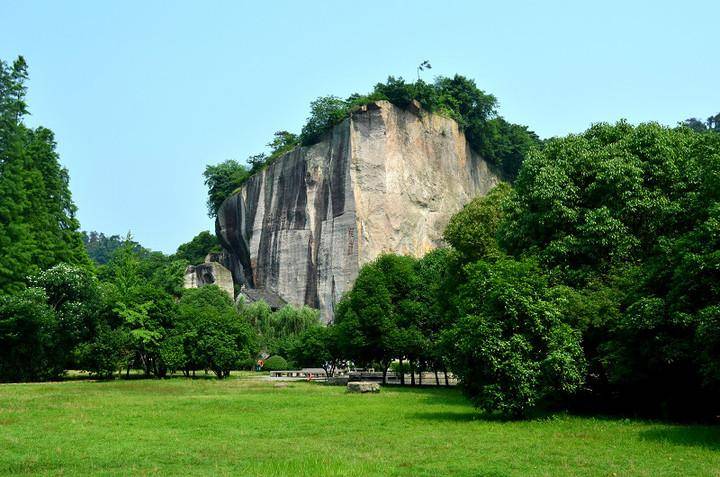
(251, 295)
(338, 380)
(385, 180)
(363, 387)
(209, 273)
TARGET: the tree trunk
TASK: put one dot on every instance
(447, 381)
(402, 373)
(437, 378)
(412, 373)
(385, 368)
(420, 376)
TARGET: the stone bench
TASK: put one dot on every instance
(363, 387)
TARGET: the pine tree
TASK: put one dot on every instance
(38, 228)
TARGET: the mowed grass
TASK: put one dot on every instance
(248, 427)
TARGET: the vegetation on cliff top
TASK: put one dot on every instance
(500, 142)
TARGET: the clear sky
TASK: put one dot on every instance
(143, 94)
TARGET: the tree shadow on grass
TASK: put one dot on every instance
(467, 416)
(467, 413)
(694, 436)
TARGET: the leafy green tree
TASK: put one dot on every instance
(473, 230)
(74, 295)
(173, 351)
(695, 124)
(593, 201)
(318, 346)
(325, 112)
(282, 142)
(29, 348)
(141, 292)
(196, 250)
(466, 103)
(627, 216)
(376, 320)
(257, 162)
(107, 353)
(220, 339)
(222, 180)
(397, 91)
(506, 145)
(364, 320)
(438, 277)
(277, 331)
(511, 348)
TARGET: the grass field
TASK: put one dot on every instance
(248, 427)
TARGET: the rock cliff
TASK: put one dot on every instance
(387, 179)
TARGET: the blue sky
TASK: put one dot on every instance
(142, 95)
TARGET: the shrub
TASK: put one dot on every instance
(106, 354)
(29, 349)
(511, 348)
(247, 364)
(275, 363)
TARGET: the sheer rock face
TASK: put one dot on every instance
(385, 180)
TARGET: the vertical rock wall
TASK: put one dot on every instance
(385, 180)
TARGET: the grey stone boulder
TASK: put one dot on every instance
(363, 387)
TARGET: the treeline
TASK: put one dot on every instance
(712, 123)
(100, 247)
(86, 301)
(500, 142)
(133, 314)
(593, 283)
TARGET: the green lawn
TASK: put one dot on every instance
(248, 427)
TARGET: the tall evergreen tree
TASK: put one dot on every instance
(38, 228)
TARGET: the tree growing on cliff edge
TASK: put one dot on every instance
(498, 141)
(325, 112)
(222, 180)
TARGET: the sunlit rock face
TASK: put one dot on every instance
(385, 180)
(209, 273)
